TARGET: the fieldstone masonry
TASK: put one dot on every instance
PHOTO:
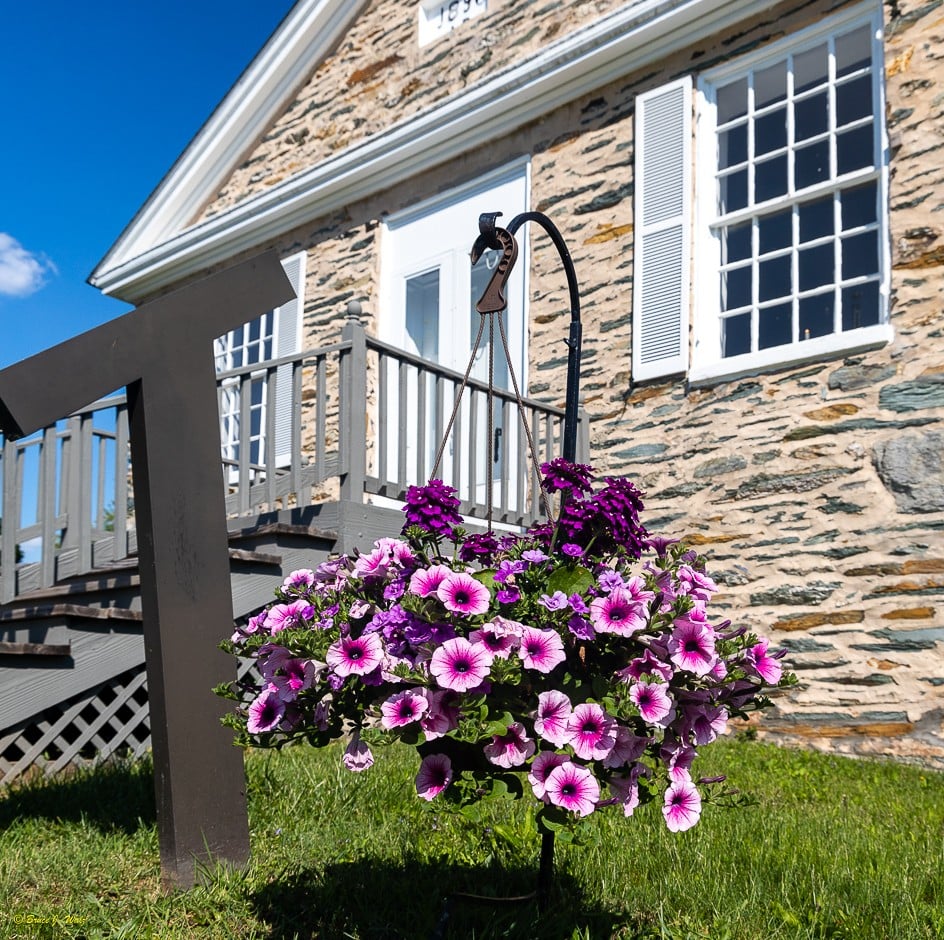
(817, 491)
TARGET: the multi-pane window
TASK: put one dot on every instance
(798, 218)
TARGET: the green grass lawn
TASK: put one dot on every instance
(831, 848)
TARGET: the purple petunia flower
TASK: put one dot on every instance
(265, 712)
(462, 594)
(555, 601)
(541, 650)
(534, 555)
(511, 749)
(581, 628)
(654, 703)
(628, 748)
(459, 665)
(299, 581)
(349, 656)
(434, 776)
(763, 663)
(554, 711)
(508, 595)
(357, 755)
(692, 645)
(403, 708)
(571, 549)
(573, 788)
(295, 675)
(625, 790)
(703, 723)
(592, 731)
(682, 806)
(541, 767)
(617, 613)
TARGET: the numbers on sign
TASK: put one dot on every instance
(458, 11)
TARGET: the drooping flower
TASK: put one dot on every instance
(462, 594)
(460, 665)
(541, 767)
(692, 645)
(403, 708)
(511, 749)
(627, 749)
(625, 790)
(654, 702)
(357, 755)
(294, 676)
(349, 656)
(617, 612)
(265, 712)
(703, 723)
(442, 715)
(540, 650)
(765, 665)
(299, 581)
(681, 806)
(592, 731)
(573, 788)
(554, 711)
(434, 776)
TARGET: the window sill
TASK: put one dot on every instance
(712, 372)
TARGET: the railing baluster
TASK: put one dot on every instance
(244, 459)
(321, 421)
(422, 419)
(47, 511)
(271, 406)
(10, 524)
(122, 458)
(383, 402)
(402, 418)
(456, 444)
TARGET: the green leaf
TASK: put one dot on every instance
(571, 579)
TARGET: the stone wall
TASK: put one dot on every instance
(817, 491)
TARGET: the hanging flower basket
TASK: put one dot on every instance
(577, 664)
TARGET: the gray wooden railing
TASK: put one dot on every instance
(358, 419)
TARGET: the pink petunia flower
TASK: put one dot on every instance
(349, 656)
(499, 636)
(541, 767)
(682, 806)
(511, 749)
(426, 581)
(541, 650)
(462, 594)
(295, 675)
(573, 788)
(592, 731)
(654, 703)
(554, 711)
(703, 723)
(460, 665)
(618, 612)
(767, 667)
(692, 645)
(357, 755)
(403, 708)
(442, 715)
(299, 581)
(373, 565)
(434, 776)
(285, 616)
(265, 712)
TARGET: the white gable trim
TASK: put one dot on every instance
(148, 257)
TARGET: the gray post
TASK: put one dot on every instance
(162, 352)
(353, 416)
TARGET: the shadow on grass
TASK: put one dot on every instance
(115, 797)
(376, 900)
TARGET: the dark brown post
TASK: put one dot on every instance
(162, 352)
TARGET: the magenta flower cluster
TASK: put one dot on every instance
(579, 657)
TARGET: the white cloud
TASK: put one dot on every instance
(21, 272)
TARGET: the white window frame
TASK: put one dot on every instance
(707, 363)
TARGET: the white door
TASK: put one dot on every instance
(429, 292)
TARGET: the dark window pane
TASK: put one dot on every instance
(732, 146)
(238, 336)
(736, 335)
(770, 85)
(736, 288)
(811, 164)
(775, 231)
(268, 349)
(816, 316)
(816, 219)
(253, 330)
(854, 51)
(255, 393)
(774, 279)
(860, 255)
(817, 266)
(732, 101)
(736, 243)
(255, 422)
(860, 306)
(853, 100)
(854, 149)
(732, 191)
(770, 179)
(809, 69)
(858, 206)
(770, 132)
(774, 326)
(237, 358)
(811, 116)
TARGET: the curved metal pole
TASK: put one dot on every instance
(571, 398)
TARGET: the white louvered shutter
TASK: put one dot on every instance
(289, 329)
(661, 283)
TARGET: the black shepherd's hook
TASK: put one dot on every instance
(498, 239)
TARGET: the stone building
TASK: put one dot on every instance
(751, 196)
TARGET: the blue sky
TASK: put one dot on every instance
(99, 99)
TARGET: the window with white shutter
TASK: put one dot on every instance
(661, 288)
